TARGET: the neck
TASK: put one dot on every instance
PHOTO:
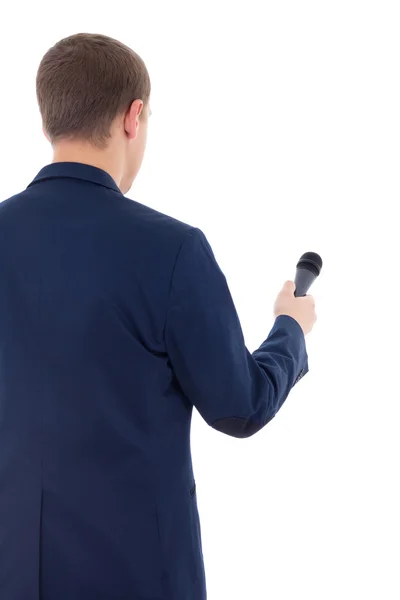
(107, 159)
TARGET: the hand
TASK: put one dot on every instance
(301, 309)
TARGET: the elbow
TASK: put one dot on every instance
(239, 427)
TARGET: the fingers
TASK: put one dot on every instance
(289, 287)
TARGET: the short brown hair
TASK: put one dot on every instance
(84, 82)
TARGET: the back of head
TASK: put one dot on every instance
(84, 82)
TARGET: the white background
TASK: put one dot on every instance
(275, 129)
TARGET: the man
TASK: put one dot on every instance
(115, 320)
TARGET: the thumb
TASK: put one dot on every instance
(289, 287)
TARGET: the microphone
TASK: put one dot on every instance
(307, 270)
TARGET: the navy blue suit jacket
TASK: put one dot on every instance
(115, 320)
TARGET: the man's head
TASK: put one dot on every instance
(93, 94)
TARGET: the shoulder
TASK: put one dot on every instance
(161, 228)
(10, 206)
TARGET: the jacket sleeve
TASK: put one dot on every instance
(236, 392)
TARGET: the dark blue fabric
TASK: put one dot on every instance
(115, 320)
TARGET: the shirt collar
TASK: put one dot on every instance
(76, 170)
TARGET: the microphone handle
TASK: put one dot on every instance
(304, 279)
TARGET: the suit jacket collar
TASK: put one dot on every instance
(76, 171)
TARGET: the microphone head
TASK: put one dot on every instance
(310, 261)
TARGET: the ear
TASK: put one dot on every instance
(132, 119)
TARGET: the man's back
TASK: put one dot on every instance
(93, 432)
